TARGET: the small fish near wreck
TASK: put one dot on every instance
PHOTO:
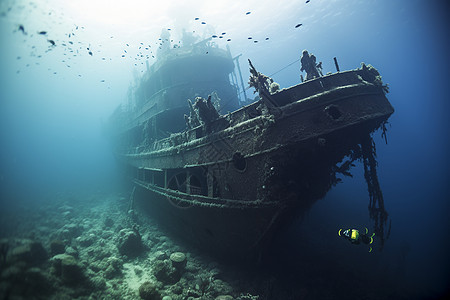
(226, 182)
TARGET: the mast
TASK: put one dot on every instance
(240, 75)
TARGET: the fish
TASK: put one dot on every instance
(203, 23)
(228, 40)
(214, 36)
(52, 42)
(249, 38)
(90, 53)
(267, 38)
(298, 25)
(196, 19)
(307, 1)
(42, 32)
(249, 12)
(21, 28)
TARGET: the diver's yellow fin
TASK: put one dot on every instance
(339, 232)
(370, 249)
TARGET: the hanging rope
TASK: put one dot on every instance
(377, 212)
(285, 67)
(297, 60)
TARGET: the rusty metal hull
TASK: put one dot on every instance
(289, 179)
(227, 232)
(229, 184)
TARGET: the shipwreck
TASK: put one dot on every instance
(223, 172)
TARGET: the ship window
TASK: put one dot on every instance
(333, 112)
(147, 175)
(216, 190)
(178, 182)
(158, 179)
(239, 162)
(195, 186)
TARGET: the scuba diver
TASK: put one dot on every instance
(355, 237)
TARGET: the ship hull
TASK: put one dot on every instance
(226, 232)
(290, 178)
(227, 186)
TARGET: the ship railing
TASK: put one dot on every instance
(307, 90)
(203, 201)
(311, 87)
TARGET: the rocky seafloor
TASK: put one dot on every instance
(93, 247)
(71, 246)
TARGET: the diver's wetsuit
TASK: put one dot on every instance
(355, 237)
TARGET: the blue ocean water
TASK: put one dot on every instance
(54, 100)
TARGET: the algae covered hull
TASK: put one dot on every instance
(226, 182)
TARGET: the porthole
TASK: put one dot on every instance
(333, 112)
(239, 162)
